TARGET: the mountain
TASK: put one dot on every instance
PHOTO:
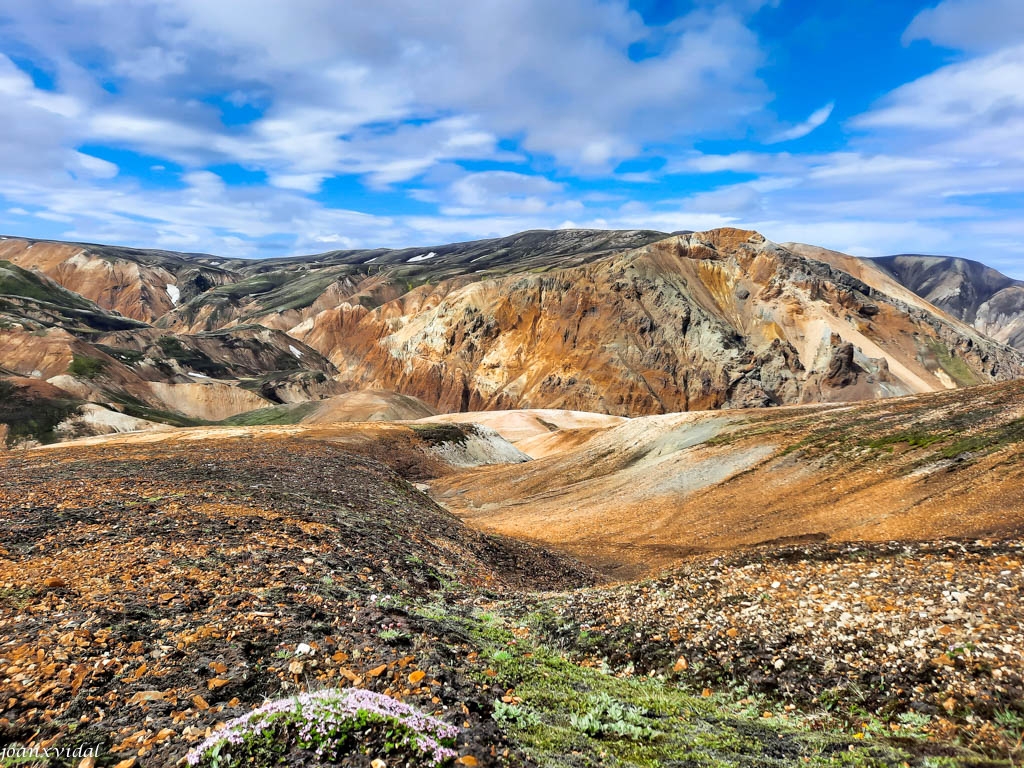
(691, 322)
(616, 322)
(139, 284)
(990, 301)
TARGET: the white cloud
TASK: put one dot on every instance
(152, 63)
(816, 119)
(402, 93)
(93, 166)
(502, 193)
(977, 95)
(974, 25)
(561, 77)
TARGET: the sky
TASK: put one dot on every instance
(267, 128)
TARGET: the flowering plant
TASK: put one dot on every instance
(328, 723)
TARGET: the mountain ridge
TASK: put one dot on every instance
(626, 322)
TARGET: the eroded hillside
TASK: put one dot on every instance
(635, 497)
(623, 323)
(693, 322)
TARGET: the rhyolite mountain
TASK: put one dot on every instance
(989, 300)
(619, 322)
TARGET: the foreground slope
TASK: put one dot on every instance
(153, 586)
(635, 497)
(156, 584)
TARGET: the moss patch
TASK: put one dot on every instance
(30, 417)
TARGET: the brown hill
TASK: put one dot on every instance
(706, 320)
(623, 323)
(633, 498)
(142, 285)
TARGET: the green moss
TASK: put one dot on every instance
(173, 348)
(913, 438)
(15, 281)
(85, 367)
(955, 367)
(567, 715)
(126, 356)
(436, 434)
(30, 417)
(987, 441)
(292, 413)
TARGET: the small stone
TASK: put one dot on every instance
(378, 763)
(467, 760)
(54, 582)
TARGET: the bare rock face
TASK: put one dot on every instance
(705, 320)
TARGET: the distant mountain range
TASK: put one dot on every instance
(990, 301)
(618, 322)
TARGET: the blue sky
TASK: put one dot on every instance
(266, 128)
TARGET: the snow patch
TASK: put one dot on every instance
(422, 257)
(198, 375)
(174, 293)
(294, 351)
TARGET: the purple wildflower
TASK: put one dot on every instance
(319, 714)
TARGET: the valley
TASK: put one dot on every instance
(590, 498)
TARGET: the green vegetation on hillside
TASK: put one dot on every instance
(85, 367)
(32, 417)
(291, 413)
(15, 281)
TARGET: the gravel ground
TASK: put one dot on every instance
(934, 629)
(150, 592)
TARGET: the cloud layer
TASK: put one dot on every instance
(190, 124)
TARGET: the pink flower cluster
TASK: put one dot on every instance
(320, 714)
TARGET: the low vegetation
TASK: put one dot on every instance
(31, 417)
(85, 367)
